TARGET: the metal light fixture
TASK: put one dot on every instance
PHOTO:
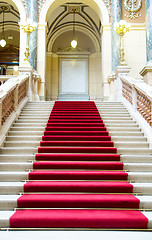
(121, 28)
(73, 42)
(29, 27)
(2, 41)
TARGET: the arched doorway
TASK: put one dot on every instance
(89, 27)
(13, 53)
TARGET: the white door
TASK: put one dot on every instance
(73, 77)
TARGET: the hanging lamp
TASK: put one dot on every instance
(73, 42)
(2, 41)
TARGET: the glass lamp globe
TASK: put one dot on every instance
(3, 43)
(73, 43)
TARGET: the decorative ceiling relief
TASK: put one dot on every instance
(132, 6)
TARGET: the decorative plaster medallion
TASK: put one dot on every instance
(132, 6)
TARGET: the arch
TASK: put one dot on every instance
(97, 5)
(80, 29)
(21, 9)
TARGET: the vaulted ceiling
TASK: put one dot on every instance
(87, 25)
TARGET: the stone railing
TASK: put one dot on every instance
(11, 94)
(4, 78)
(13, 97)
(139, 95)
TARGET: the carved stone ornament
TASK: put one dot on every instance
(40, 4)
(132, 6)
(108, 5)
(25, 3)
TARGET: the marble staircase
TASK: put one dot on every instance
(17, 155)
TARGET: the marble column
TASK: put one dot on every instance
(115, 39)
(149, 30)
(146, 72)
(41, 57)
(33, 15)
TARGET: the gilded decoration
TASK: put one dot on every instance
(132, 6)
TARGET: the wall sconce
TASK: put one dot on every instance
(121, 28)
(29, 27)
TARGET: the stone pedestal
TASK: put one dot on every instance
(120, 70)
(146, 73)
(27, 69)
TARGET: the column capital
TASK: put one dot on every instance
(42, 25)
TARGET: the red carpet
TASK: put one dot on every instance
(77, 166)
(77, 201)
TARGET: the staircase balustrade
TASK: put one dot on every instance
(13, 96)
(139, 95)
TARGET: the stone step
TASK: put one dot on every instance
(115, 115)
(15, 166)
(131, 144)
(25, 166)
(37, 143)
(33, 150)
(14, 188)
(123, 125)
(113, 138)
(110, 118)
(37, 117)
(136, 158)
(32, 121)
(20, 125)
(4, 223)
(126, 129)
(114, 112)
(32, 111)
(23, 138)
(32, 114)
(18, 150)
(34, 128)
(40, 133)
(40, 124)
(25, 133)
(128, 139)
(134, 151)
(15, 176)
(9, 202)
(17, 157)
(142, 167)
(22, 143)
(123, 133)
(123, 121)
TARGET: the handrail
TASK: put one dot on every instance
(11, 94)
(4, 78)
(139, 95)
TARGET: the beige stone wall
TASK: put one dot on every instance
(135, 48)
(52, 76)
(94, 76)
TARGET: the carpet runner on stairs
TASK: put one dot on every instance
(77, 179)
